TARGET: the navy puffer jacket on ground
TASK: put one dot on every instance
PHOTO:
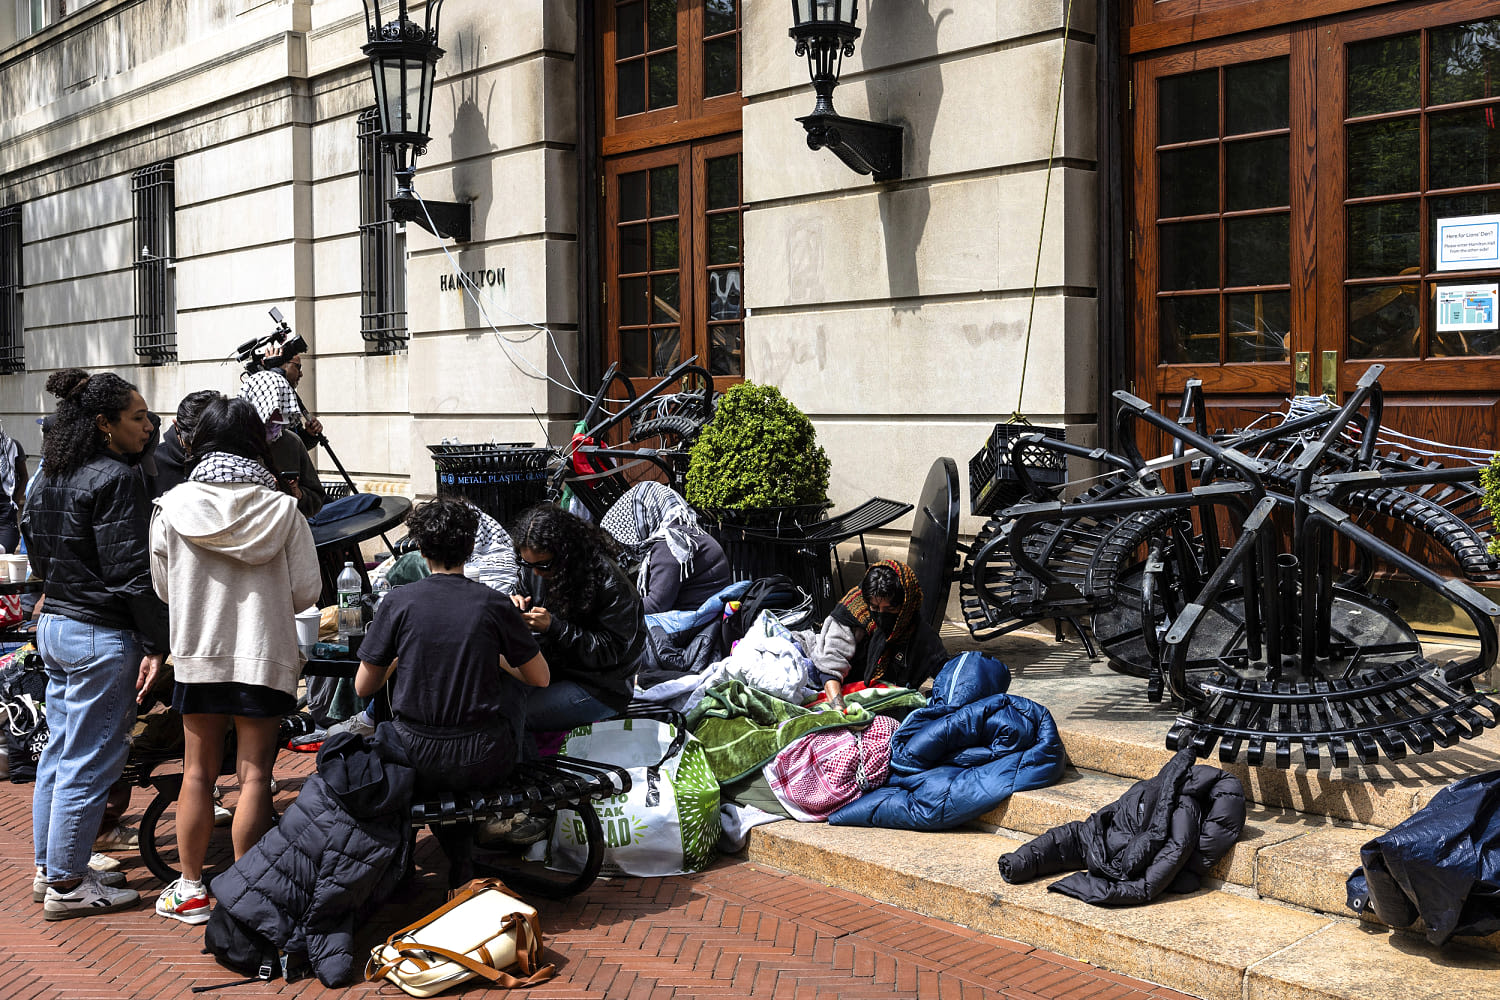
(962, 755)
(1164, 834)
(331, 860)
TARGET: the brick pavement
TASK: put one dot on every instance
(737, 930)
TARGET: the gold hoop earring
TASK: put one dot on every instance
(109, 440)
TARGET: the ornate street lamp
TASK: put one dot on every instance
(825, 32)
(403, 60)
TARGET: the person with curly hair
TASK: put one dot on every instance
(463, 662)
(236, 561)
(877, 633)
(586, 614)
(102, 633)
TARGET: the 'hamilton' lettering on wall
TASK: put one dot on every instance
(489, 276)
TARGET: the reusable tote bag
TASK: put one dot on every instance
(667, 824)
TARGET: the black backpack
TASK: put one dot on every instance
(777, 594)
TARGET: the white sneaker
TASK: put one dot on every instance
(120, 838)
(86, 899)
(113, 880)
(182, 903)
(103, 863)
(222, 816)
(359, 724)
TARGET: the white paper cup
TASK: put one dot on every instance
(307, 627)
(16, 568)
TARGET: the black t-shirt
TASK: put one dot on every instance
(450, 633)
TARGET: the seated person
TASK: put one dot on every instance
(586, 616)
(463, 660)
(681, 566)
(276, 404)
(877, 633)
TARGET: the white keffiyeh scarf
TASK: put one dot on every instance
(649, 513)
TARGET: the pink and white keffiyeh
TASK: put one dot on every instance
(828, 769)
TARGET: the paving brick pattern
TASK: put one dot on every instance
(737, 930)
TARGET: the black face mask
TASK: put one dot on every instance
(885, 620)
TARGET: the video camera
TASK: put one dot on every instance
(273, 350)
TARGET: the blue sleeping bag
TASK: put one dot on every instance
(970, 748)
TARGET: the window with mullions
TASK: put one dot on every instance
(382, 246)
(155, 263)
(1423, 146)
(11, 279)
(1223, 211)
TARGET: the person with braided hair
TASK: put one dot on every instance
(877, 633)
(102, 633)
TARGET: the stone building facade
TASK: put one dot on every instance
(896, 314)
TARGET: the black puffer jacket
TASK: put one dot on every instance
(1162, 835)
(324, 868)
(597, 652)
(87, 536)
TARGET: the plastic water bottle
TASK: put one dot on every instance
(382, 588)
(351, 620)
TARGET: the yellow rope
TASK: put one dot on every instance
(1036, 272)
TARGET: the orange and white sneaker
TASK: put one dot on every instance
(185, 901)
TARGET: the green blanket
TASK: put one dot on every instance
(742, 728)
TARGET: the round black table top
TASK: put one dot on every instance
(25, 587)
(933, 551)
(391, 511)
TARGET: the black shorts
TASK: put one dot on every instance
(251, 701)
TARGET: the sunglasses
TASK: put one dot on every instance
(540, 564)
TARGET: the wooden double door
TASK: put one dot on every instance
(1289, 188)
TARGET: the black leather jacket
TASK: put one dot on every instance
(88, 539)
(599, 652)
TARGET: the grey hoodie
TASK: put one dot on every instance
(235, 563)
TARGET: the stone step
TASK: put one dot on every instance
(1282, 855)
(1110, 727)
(1215, 943)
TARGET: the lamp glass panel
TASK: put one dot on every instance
(395, 95)
(382, 102)
(423, 82)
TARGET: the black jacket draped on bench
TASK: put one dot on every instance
(315, 877)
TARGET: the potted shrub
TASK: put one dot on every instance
(758, 453)
(1489, 479)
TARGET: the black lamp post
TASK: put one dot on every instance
(825, 32)
(403, 60)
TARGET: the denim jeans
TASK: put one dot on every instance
(91, 674)
(562, 705)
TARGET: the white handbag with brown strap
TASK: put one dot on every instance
(483, 930)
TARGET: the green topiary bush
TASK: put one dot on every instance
(758, 451)
(1489, 479)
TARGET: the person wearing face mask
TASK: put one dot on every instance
(102, 633)
(294, 467)
(877, 633)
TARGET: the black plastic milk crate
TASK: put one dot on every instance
(500, 479)
(993, 485)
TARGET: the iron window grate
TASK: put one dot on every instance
(12, 278)
(156, 250)
(382, 246)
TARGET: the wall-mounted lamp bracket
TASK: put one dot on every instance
(865, 147)
(450, 219)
